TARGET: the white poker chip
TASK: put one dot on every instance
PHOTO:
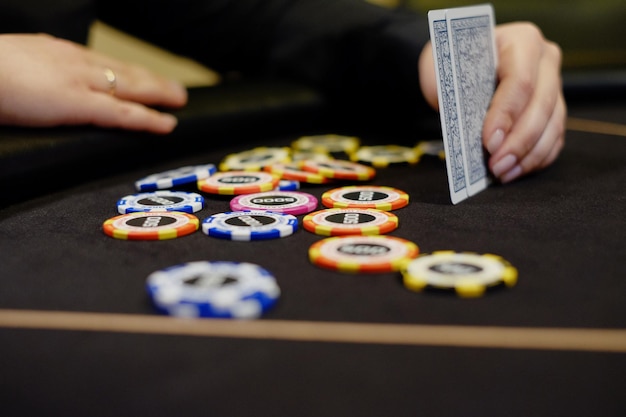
(175, 177)
(219, 289)
(246, 225)
(468, 274)
(162, 200)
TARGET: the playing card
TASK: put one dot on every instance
(448, 113)
(473, 56)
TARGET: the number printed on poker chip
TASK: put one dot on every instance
(290, 202)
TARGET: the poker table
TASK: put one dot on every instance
(79, 335)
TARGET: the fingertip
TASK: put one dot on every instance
(511, 174)
(503, 165)
(495, 141)
(179, 93)
(165, 123)
(108, 111)
(427, 76)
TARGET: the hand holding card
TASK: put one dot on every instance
(465, 59)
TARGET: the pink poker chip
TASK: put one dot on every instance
(289, 202)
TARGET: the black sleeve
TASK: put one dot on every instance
(67, 19)
(361, 56)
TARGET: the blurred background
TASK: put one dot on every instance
(592, 35)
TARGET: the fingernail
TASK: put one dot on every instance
(495, 141)
(512, 174)
(504, 165)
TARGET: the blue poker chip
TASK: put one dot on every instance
(162, 200)
(246, 225)
(175, 177)
(288, 185)
(219, 289)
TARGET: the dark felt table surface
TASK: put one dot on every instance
(80, 337)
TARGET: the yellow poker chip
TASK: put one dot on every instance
(327, 143)
(467, 274)
(363, 254)
(432, 148)
(239, 182)
(340, 169)
(151, 225)
(292, 171)
(365, 196)
(255, 159)
(320, 155)
(350, 221)
(382, 156)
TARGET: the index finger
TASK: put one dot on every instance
(104, 110)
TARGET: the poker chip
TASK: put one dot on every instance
(363, 254)
(340, 169)
(365, 196)
(175, 177)
(255, 159)
(290, 202)
(288, 185)
(162, 200)
(467, 274)
(327, 143)
(249, 225)
(350, 221)
(292, 171)
(316, 155)
(432, 148)
(239, 182)
(160, 225)
(382, 156)
(216, 289)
